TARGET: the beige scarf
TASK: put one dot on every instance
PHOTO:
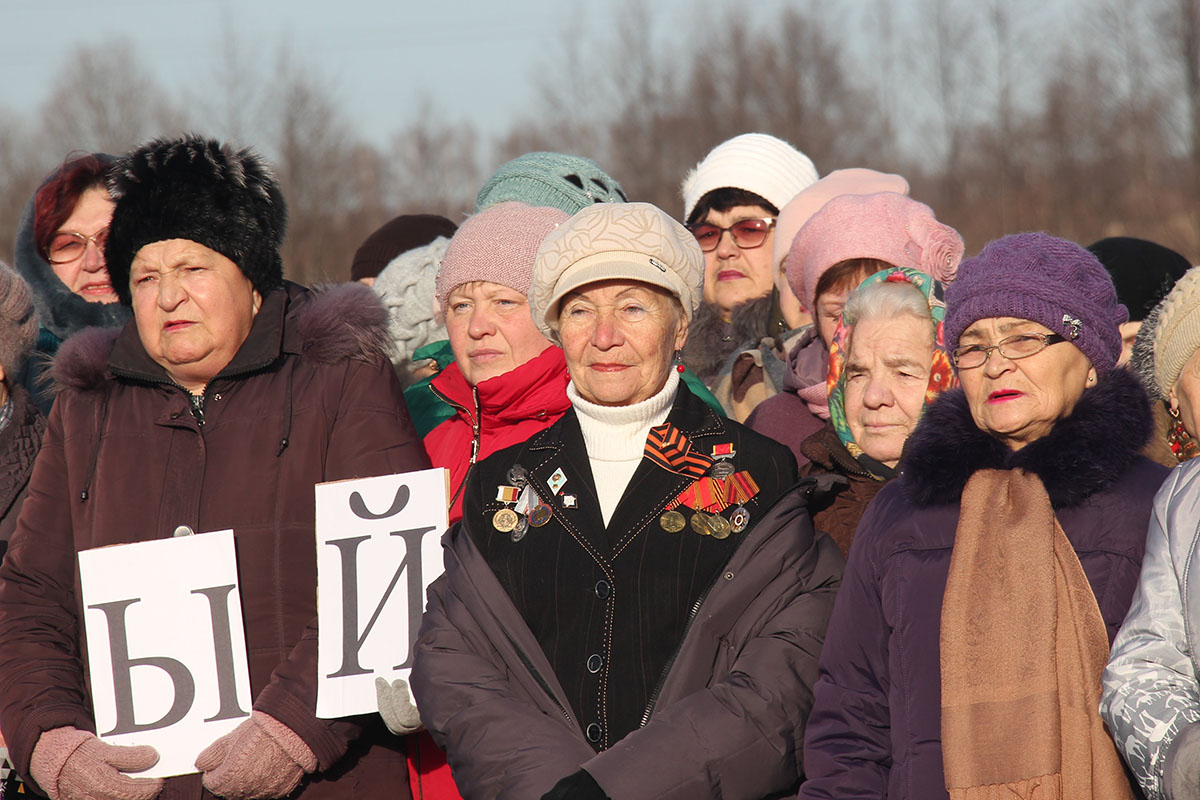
(1022, 649)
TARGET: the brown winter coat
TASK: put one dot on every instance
(309, 397)
(837, 508)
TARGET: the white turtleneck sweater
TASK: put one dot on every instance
(615, 437)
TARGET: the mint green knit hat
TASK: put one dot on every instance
(555, 180)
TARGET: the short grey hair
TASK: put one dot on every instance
(885, 300)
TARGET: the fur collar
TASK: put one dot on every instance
(711, 340)
(1082, 455)
(326, 325)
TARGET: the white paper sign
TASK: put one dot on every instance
(378, 549)
(166, 646)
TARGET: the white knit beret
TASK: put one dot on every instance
(754, 162)
(633, 241)
(1177, 336)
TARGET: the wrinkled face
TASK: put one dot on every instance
(733, 275)
(1020, 401)
(193, 308)
(887, 372)
(491, 330)
(620, 339)
(1185, 396)
(85, 274)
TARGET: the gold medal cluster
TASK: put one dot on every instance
(706, 524)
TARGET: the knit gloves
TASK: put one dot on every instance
(70, 764)
(261, 758)
(396, 707)
(576, 786)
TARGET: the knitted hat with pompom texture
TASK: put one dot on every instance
(1043, 278)
(496, 245)
(754, 162)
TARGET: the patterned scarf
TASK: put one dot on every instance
(941, 374)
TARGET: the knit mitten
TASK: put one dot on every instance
(396, 707)
(576, 786)
(261, 758)
(70, 764)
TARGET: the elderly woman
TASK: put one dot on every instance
(852, 236)
(1164, 358)
(60, 254)
(219, 406)
(632, 594)
(1151, 687)
(985, 584)
(887, 362)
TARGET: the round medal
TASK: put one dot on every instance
(504, 520)
(540, 515)
(671, 521)
(698, 523)
(718, 527)
(721, 470)
(521, 529)
(739, 519)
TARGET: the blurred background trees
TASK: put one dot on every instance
(1082, 119)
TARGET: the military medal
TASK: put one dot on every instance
(521, 528)
(698, 523)
(540, 515)
(739, 519)
(518, 475)
(718, 526)
(721, 470)
(505, 520)
(672, 522)
(569, 501)
(507, 494)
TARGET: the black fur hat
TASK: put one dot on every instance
(198, 189)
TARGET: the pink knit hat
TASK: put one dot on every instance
(498, 245)
(801, 208)
(885, 226)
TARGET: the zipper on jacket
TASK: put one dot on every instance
(662, 678)
(537, 676)
(475, 434)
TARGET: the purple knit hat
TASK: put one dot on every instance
(1045, 279)
(498, 245)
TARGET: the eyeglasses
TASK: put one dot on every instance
(1013, 348)
(747, 233)
(66, 246)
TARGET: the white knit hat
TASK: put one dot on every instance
(632, 241)
(754, 162)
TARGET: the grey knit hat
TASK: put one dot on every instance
(1172, 333)
(18, 322)
(406, 287)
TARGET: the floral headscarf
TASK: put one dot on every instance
(941, 373)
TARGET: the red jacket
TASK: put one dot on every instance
(495, 414)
